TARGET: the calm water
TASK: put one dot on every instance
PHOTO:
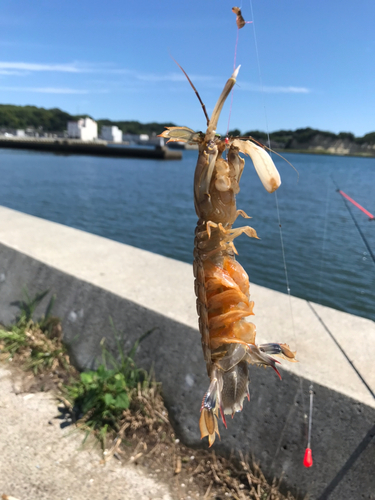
(149, 204)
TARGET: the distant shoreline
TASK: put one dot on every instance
(323, 152)
(102, 148)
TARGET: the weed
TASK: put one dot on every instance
(100, 397)
(36, 345)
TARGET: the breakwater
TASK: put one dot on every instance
(98, 148)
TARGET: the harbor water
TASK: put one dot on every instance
(149, 204)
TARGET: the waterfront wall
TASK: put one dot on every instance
(81, 147)
(95, 278)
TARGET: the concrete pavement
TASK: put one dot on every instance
(41, 461)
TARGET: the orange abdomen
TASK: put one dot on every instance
(227, 293)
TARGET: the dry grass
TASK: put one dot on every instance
(29, 346)
(35, 345)
(40, 352)
(146, 437)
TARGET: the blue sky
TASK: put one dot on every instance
(112, 60)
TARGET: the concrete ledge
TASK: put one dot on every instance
(98, 148)
(95, 278)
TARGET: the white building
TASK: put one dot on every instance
(113, 134)
(85, 129)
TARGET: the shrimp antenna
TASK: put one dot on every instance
(282, 157)
(195, 90)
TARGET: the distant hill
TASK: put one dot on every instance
(316, 141)
(303, 139)
(134, 127)
(21, 117)
(55, 120)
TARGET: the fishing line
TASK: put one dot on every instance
(235, 50)
(307, 459)
(241, 25)
(276, 199)
(260, 74)
(231, 94)
(278, 217)
(280, 228)
(323, 254)
(284, 264)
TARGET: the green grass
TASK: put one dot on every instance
(100, 396)
(35, 344)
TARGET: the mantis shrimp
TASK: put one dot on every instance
(221, 284)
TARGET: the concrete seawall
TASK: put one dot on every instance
(95, 278)
(99, 148)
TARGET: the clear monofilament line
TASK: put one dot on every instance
(277, 209)
(235, 50)
(287, 285)
(260, 73)
(234, 68)
(276, 199)
(310, 416)
(282, 244)
(284, 264)
(323, 255)
(230, 111)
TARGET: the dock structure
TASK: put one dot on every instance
(95, 278)
(93, 148)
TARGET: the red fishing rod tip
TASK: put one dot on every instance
(307, 459)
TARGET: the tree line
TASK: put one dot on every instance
(55, 120)
(286, 138)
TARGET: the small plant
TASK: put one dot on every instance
(36, 345)
(29, 305)
(100, 397)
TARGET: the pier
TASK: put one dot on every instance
(94, 148)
